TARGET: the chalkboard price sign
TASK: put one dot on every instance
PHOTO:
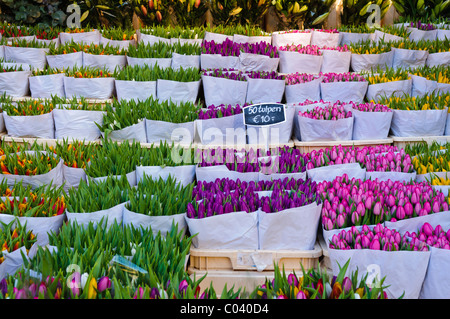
(264, 114)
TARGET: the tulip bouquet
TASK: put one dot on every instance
(316, 284)
(114, 158)
(47, 33)
(227, 185)
(218, 204)
(302, 49)
(96, 49)
(369, 107)
(219, 73)
(247, 162)
(28, 107)
(44, 201)
(160, 197)
(433, 236)
(150, 50)
(342, 77)
(260, 48)
(298, 78)
(81, 104)
(87, 72)
(36, 44)
(13, 238)
(187, 48)
(436, 73)
(46, 71)
(92, 197)
(332, 112)
(377, 238)
(181, 74)
(431, 101)
(388, 75)
(219, 111)
(369, 47)
(166, 154)
(429, 159)
(347, 203)
(10, 68)
(281, 200)
(422, 26)
(75, 154)
(8, 30)
(118, 34)
(264, 75)
(24, 163)
(226, 48)
(138, 73)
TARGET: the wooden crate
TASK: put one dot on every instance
(306, 147)
(401, 142)
(247, 281)
(253, 260)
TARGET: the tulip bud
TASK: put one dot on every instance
(104, 283)
(427, 229)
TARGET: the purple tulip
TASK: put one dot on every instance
(103, 284)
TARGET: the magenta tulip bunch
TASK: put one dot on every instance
(435, 237)
(378, 238)
(365, 202)
(281, 199)
(219, 73)
(389, 162)
(219, 111)
(226, 48)
(298, 78)
(342, 77)
(302, 49)
(343, 48)
(265, 75)
(332, 112)
(227, 185)
(327, 30)
(369, 107)
(260, 48)
(422, 26)
(339, 154)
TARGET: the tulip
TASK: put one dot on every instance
(92, 289)
(183, 286)
(104, 283)
(347, 285)
(139, 294)
(301, 295)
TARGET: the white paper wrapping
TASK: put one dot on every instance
(257, 62)
(15, 84)
(150, 39)
(237, 230)
(299, 93)
(211, 173)
(418, 123)
(177, 91)
(343, 91)
(421, 86)
(217, 61)
(46, 86)
(438, 59)
(405, 58)
(82, 37)
(41, 126)
(135, 90)
(367, 62)
(371, 125)
(393, 176)
(73, 176)
(377, 91)
(325, 130)
(216, 37)
(265, 90)
(35, 57)
(335, 61)
(292, 38)
(185, 61)
(135, 132)
(121, 44)
(109, 216)
(329, 173)
(292, 62)
(161, 224)
(77, 124)
(64, 61)
(240, 38)
(293, 229)
(158, 131)
(324, 39)
(222, 131)
(416, 35)
(346, 38)
(224, 91)
(95, 88)
(110, 62)
(404, 271)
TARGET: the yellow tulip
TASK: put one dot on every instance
(92, 289)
